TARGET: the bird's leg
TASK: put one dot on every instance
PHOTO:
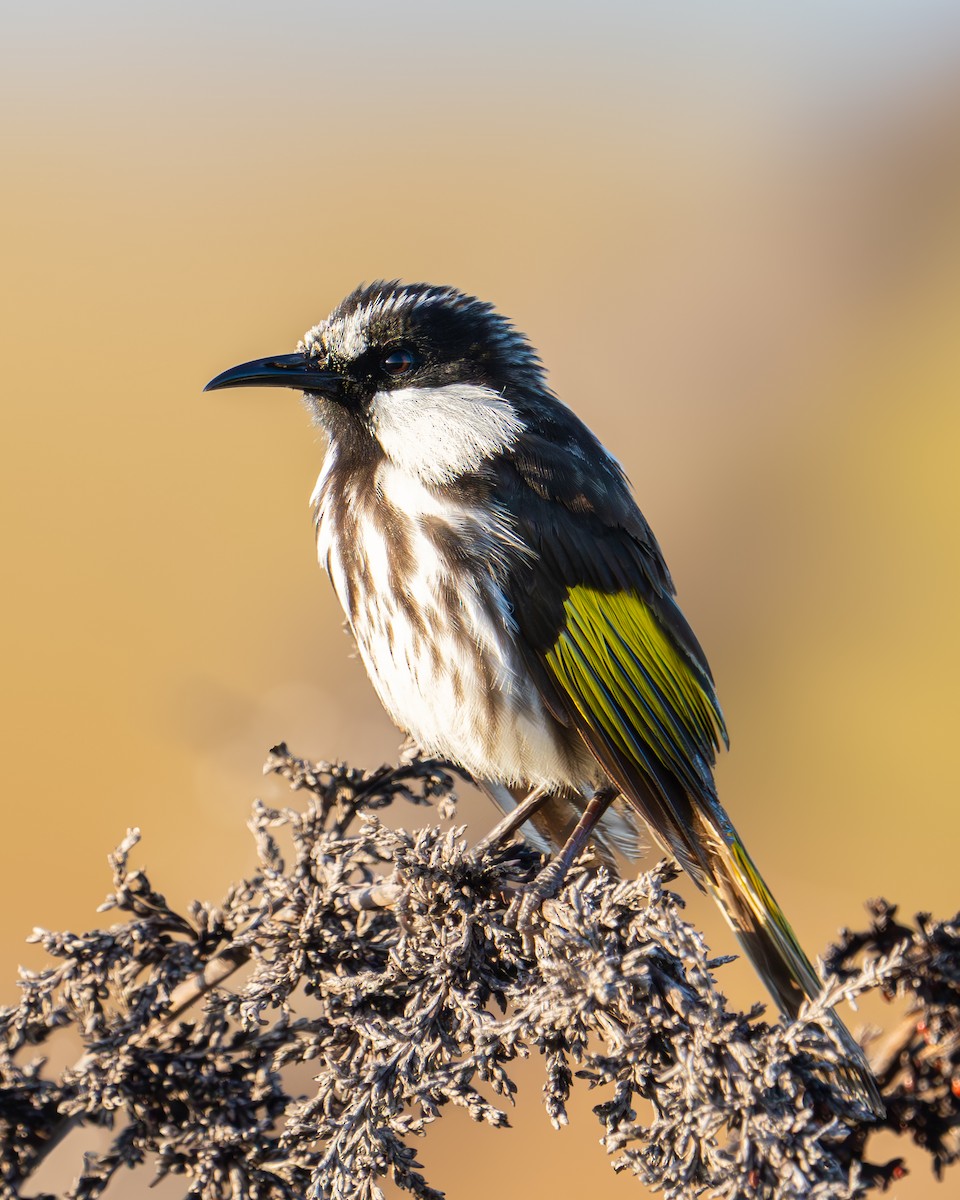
(551, 878)
(511, 822)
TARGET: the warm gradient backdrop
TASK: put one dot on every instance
(736, 240)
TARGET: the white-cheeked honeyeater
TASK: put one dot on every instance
(511, 604)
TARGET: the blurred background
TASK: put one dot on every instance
(734, 234)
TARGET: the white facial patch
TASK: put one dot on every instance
(438, 434)
(347, 335)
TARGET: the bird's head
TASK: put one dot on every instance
(432, 379)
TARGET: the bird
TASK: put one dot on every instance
(512, 606)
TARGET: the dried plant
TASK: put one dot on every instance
(390, 963)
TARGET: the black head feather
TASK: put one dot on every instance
(454, 337)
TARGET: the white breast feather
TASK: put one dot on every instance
(416, 686)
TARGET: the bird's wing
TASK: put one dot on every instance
(611, 651)
(614, 658)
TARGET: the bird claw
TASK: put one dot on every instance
(476, 857)
(526, 903)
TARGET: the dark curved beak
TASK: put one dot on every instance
(283, 370)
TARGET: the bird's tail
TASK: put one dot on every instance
(711, 849)
(771, 945)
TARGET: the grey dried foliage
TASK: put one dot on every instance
(389, 962)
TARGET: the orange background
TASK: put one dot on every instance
(736, 243)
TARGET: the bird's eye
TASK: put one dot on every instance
(399, 362)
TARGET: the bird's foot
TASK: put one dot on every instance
(528, 900)
(548, 883)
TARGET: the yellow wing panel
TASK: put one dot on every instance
(630, 682)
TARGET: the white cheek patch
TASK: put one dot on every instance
(438, 434)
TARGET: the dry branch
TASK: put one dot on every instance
(387, 962)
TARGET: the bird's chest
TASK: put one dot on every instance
(421, 628)
(426, 611)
